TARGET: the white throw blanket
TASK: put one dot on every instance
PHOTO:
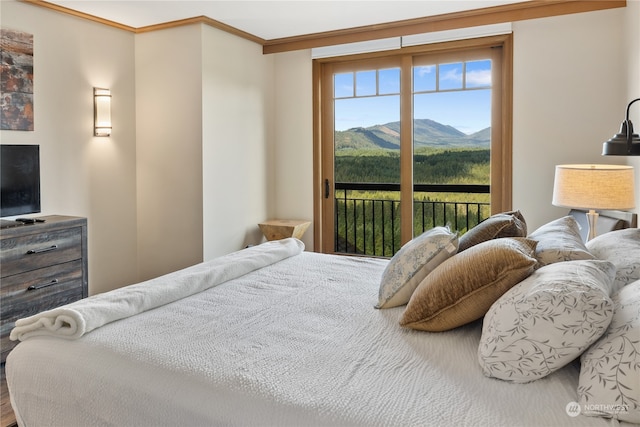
(76, 319)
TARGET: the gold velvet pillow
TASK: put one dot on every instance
(506, 224)
(463, 288)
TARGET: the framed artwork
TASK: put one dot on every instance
(16, 80)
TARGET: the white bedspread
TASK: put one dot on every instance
(295, 343)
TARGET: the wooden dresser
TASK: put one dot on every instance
(42, 266)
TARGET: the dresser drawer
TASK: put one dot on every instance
(34, 251)
(29, 293)
(34, 291)
(42, 266)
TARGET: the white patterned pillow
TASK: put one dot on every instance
(609, 382)
(622, 248)
(547, 320)
(412, 263)
(559, 240)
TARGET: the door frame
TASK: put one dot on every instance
(501, 142)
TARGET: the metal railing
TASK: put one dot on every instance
(371, 226)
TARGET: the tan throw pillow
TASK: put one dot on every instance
(506, 224)
(559, 240)
(463, 287)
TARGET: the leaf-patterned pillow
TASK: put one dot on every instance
(609, 382)
(547, 320)
(622, 248)
(412, 263)
(558, 241)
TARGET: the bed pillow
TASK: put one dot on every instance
(609, 383)
(506, 224)
(463, 288)
(547, 320)
(622, 248)
(412, 263)
(559, 240)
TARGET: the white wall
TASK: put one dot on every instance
(168, 71)
(293, 152)
(82, 175)
(204, 128)
(185, 172)
(237, 133)
(569, 88)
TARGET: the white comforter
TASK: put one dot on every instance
(294, 343)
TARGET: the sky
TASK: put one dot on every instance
(457, 95)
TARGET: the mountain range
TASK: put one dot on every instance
(426, 132)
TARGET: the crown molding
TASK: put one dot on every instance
(512, 12)
(179, 23)
(472, 18)
(77, 14)
(202, 20)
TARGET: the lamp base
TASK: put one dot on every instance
(592, 219)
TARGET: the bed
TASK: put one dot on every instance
(273, 335)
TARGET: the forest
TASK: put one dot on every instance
(368, 221)
(430, 166)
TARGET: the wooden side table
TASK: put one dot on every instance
(276, 229)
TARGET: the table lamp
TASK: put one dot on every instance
(592, 187)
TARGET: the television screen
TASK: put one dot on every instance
(19, 179)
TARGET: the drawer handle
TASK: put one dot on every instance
(39, 251)
(44, 285)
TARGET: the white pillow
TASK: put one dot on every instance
(559, 240)
(412, 263)
(547, 320)
(622, 248)
(609, 382)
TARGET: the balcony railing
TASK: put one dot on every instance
(371, 226)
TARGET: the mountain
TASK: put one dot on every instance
(426, 132)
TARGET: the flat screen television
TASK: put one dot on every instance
(19, 179)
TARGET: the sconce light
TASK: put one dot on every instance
(101, 112)
(625, 143)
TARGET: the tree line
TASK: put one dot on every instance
(430, 166)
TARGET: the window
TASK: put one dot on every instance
(411, 140)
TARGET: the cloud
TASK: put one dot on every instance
(425, 69)
(474, 78)
(452, 74)
(479, 78)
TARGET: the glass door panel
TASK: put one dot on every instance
(407, 145)
(367, 161)
(451, 143)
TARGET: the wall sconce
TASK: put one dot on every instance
(594, 187)
(625, 143)
(101, 112)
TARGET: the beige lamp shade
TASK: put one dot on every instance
(594, 187)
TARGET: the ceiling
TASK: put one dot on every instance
(269, 19)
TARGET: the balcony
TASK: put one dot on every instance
(370, 225)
